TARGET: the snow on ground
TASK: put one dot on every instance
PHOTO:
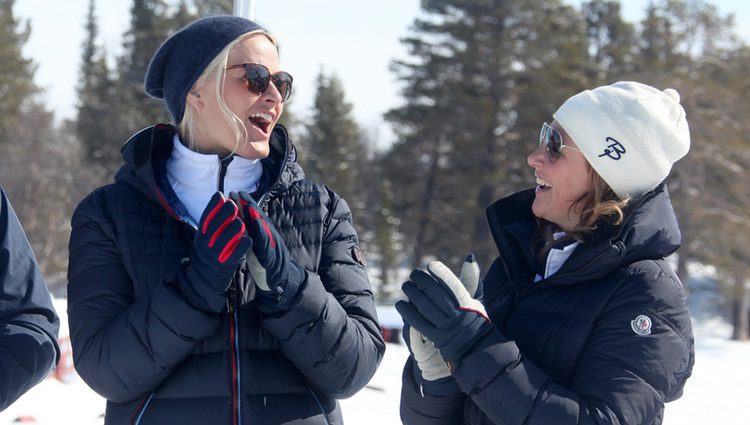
(717, 393)
(377, 403)
(718, 390)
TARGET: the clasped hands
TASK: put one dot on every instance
(443, 317)
(232, 229)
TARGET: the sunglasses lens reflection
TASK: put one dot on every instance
(552, 141)
(283, 83)
(259, 77)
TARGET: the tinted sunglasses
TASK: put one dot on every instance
(259, 77)
(552, 141)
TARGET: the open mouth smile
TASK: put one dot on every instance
(262, 121)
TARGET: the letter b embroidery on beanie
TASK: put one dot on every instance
(614, 150)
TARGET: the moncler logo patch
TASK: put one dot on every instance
(358, 256)
(614, 149)
(641, 325)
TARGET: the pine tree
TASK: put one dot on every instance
(485, 75)
(17, 86)
(98, 109)
(381, 230)
(43, 173)
(658, 52)
(712, 184)
(182, 16)
(214, 7)
(332, 148)
(612, 41)
(149, 27)
(38, 161)
(688, 45)
(289, 119)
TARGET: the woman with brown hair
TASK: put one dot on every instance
(582, 320)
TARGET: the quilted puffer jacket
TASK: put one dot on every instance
(158, 360)
(605, 340)
(28, 322)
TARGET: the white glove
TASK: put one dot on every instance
(257, 271)
(432, 365)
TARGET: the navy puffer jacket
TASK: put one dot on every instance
(605, 340)
(28, 322)
(158, 360)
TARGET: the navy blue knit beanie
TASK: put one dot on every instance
(180, 61)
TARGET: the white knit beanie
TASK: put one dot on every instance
(629, 132)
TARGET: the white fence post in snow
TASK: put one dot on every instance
(244, 9)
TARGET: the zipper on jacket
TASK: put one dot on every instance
(320, 405)
(141, 409)
(235, 353)
(223, 166)
(233, 322)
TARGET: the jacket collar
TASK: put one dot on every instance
(146, 152)
(280, 167)
(145, 155)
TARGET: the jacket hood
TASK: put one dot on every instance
(146, 153)
(648, 231)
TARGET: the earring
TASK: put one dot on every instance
(197, 95)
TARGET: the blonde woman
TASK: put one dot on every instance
(582, 320)
(211, 283)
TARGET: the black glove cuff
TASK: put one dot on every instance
(455, 345)
(282, 297)
(441, 387)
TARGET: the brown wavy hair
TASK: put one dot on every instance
(599, 205)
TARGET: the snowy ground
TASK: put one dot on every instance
(717, 393)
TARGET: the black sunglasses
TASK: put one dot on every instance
(552, 141)
(259, 77)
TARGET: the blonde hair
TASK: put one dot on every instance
(217, 70)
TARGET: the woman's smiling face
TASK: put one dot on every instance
(560, 183)
(259, 112)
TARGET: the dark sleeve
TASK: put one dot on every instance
(28, 323)
(123, 347)
(332, 333)
(420, 407)
(621, 377)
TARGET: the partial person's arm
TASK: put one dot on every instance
(28, 323)
(331, 333)
(622, 377)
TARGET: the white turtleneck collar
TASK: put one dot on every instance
(194, 177)
(557, 257)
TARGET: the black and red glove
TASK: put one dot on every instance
(276, 276)
(219, 244)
